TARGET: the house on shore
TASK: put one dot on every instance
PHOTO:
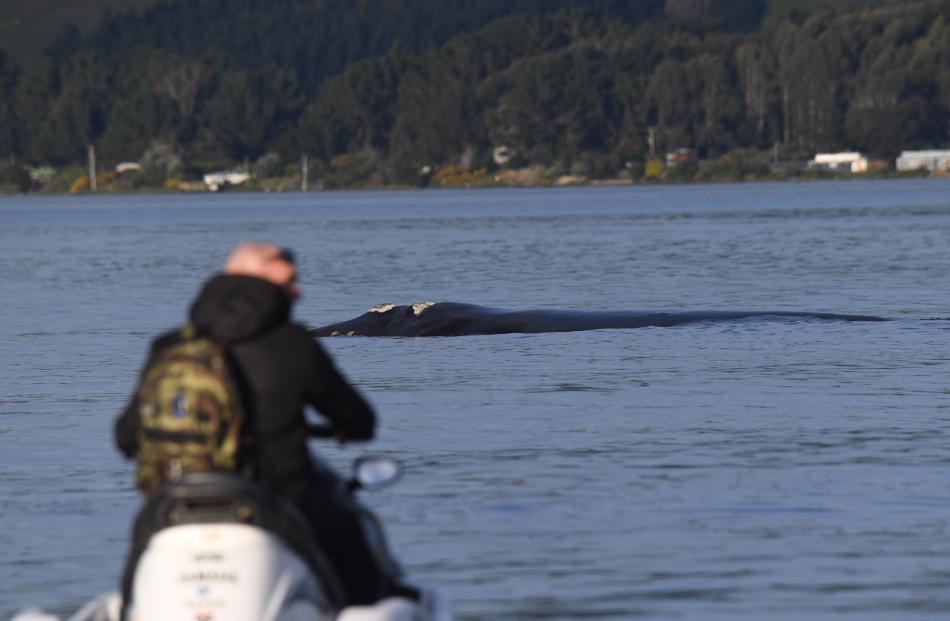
(932, 160)
(127, 167)
(681, 155)
(840, 162)
(218, 180)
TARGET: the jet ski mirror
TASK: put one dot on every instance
(375, 472)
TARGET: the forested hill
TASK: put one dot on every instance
(318, 39)
(377, 90)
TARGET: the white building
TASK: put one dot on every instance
(502, 155)
(218, 180)
(124, 167)
(850, 161)
(931, 160)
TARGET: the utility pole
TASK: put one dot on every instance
(91, 156)
(304, 170)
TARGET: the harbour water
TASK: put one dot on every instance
(753, 469)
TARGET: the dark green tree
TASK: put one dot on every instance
(757, 67)
(249, 111)
(9, 76)
(354, 111)
(33, 96)
(62, 109)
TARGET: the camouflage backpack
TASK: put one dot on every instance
(189, 410)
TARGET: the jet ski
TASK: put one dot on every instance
(221, 548)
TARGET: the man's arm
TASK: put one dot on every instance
(127, 428)
(334, 397)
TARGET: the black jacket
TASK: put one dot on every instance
(281, 369)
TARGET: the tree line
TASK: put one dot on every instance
(377, 92)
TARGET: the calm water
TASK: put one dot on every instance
(746, 470)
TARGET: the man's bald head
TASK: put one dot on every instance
(267, 261)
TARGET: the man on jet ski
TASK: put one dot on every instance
(279, 370)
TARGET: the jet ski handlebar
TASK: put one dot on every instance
(368, 472)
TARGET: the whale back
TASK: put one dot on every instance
(458, 319)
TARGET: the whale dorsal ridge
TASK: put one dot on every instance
(417, 309)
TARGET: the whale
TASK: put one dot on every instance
(458, 319)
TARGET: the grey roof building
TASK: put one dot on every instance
(931, 160)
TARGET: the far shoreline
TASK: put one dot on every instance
(281, 186)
